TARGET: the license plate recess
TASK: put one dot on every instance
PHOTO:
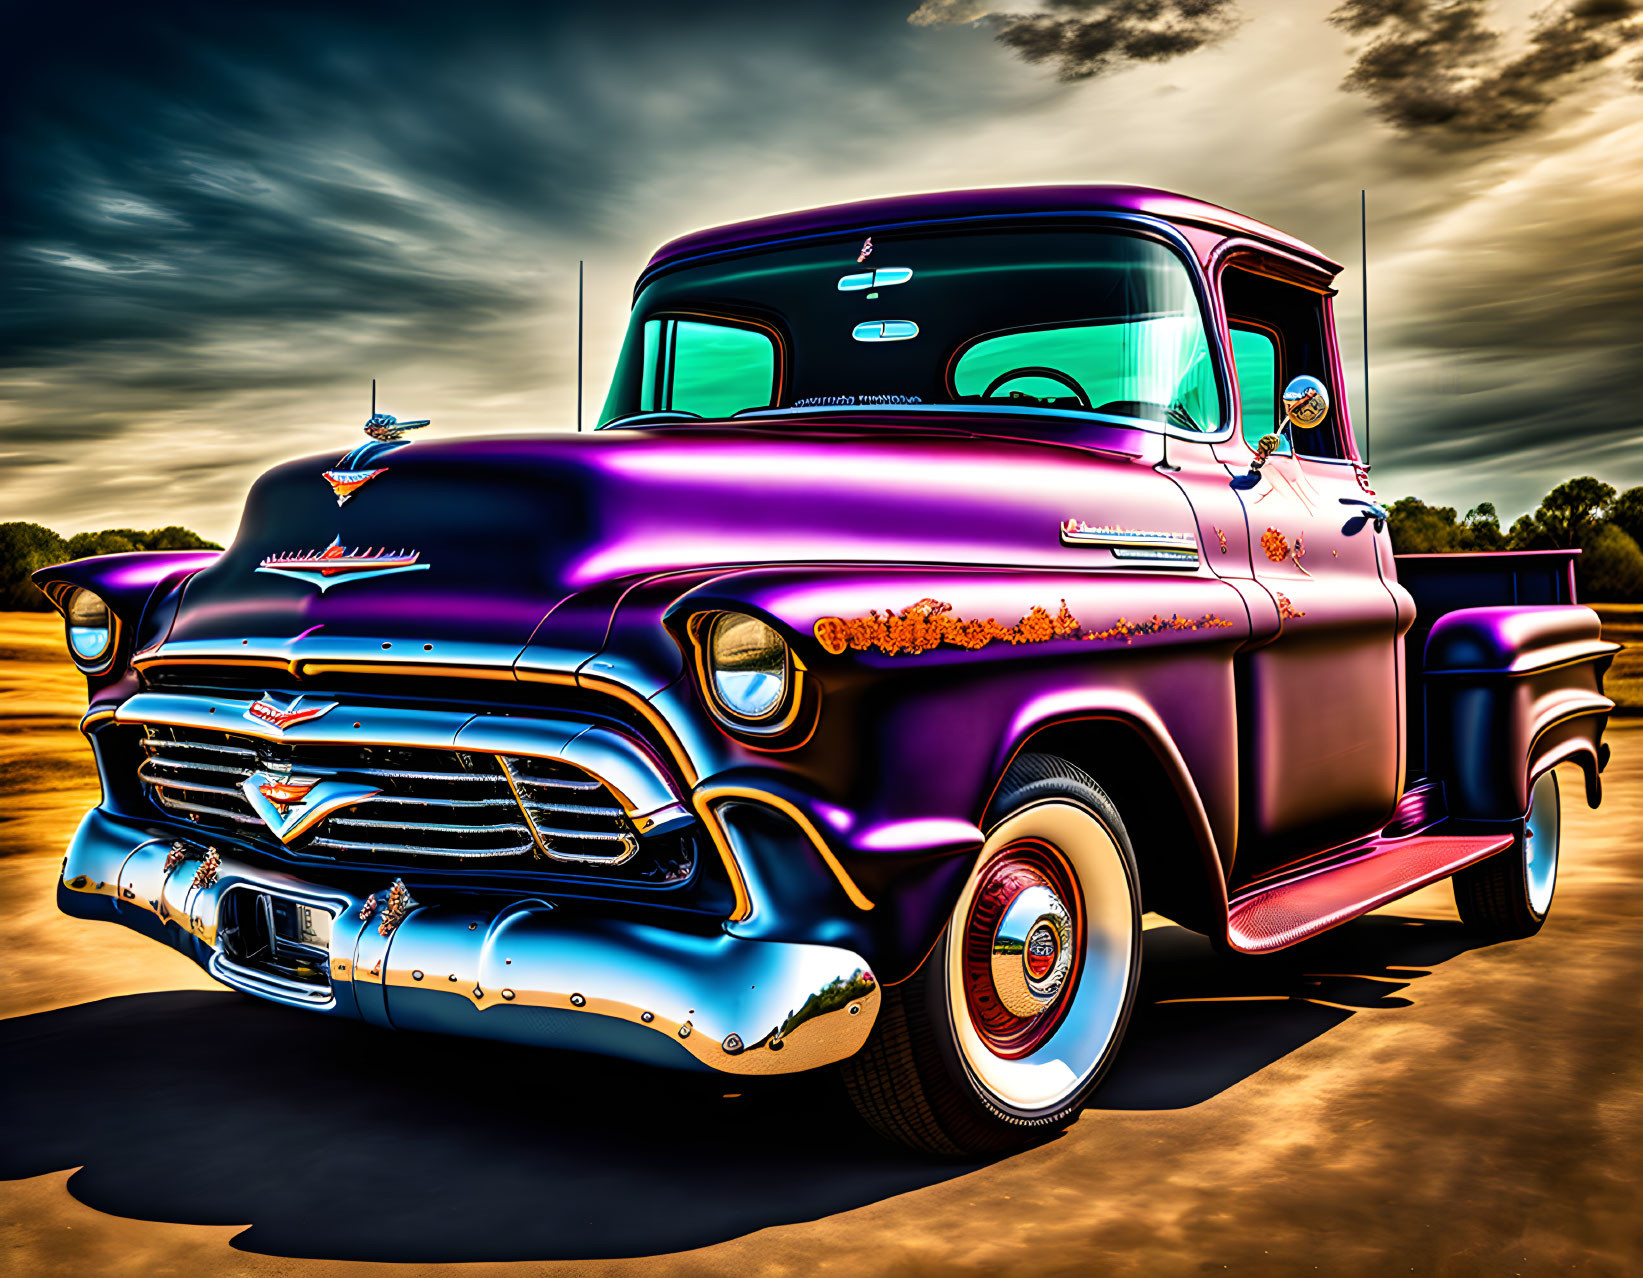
(280, 935)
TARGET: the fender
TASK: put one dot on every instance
(1511, 692)
(884, 677)
(1048, 717)
(141, 589)
(125, 581)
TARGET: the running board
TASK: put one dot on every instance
(1272, 916)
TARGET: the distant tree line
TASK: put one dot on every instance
(1606, 526)
(25, 547)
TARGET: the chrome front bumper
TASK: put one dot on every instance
(531, 971)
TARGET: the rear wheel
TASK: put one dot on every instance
(1005, 1030)
(1508, 896)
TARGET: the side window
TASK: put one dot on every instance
(1255, 361)
(1279, 332)
(711, 369)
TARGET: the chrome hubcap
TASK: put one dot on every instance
(1041, 956)
(1019, 946)
(1032, 951)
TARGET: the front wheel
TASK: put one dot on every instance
(1006, 1028)
(1508, 896)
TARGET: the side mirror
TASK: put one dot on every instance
(1306, 402)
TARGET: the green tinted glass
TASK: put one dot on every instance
(1256, 360)
(1140, 368)
(933, 321)
(712, 370)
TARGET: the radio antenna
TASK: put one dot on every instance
(1363, 258)
(579, 266)
(373, 397)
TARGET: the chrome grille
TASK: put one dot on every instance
(573, 817)
(456, 806)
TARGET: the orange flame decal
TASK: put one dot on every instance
(930, 623)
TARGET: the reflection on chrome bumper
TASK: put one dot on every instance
(529, 972)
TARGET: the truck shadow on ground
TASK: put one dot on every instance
(332, 1140)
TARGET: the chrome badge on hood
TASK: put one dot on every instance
(336, 562)
(345, 483)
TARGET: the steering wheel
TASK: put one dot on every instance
(1035, 370)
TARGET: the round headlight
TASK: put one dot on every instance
(748, 664)
(90, 626)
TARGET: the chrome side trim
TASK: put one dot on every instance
(1177, 549)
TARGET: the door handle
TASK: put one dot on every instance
(1371, 510)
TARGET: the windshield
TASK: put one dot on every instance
(1072, 321)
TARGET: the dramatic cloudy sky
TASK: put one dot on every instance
(220, 221)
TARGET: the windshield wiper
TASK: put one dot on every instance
(1177, 415)
(651, 415)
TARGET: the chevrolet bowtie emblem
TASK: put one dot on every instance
(282, 713)
(290, 805)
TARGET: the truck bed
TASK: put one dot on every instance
(1443, 583)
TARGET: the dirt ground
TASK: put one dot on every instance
(1390, 1098)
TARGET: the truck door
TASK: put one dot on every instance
(1320, 706)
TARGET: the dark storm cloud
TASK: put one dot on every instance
(1433, 67)
(1508, 353)
(218, 222)
(1085, 38)
(205, 200)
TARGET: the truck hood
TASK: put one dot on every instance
(465, 546)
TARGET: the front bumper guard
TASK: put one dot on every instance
(531, 971)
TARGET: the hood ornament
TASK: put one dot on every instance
(336, 562)
(386, 427)
(354, 470)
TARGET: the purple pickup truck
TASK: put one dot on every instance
(951, 579)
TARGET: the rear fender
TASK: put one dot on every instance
(1511, 692)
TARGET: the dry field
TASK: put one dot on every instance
(1623, 623)
(1391, 1098)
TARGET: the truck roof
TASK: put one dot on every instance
(984, 202)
